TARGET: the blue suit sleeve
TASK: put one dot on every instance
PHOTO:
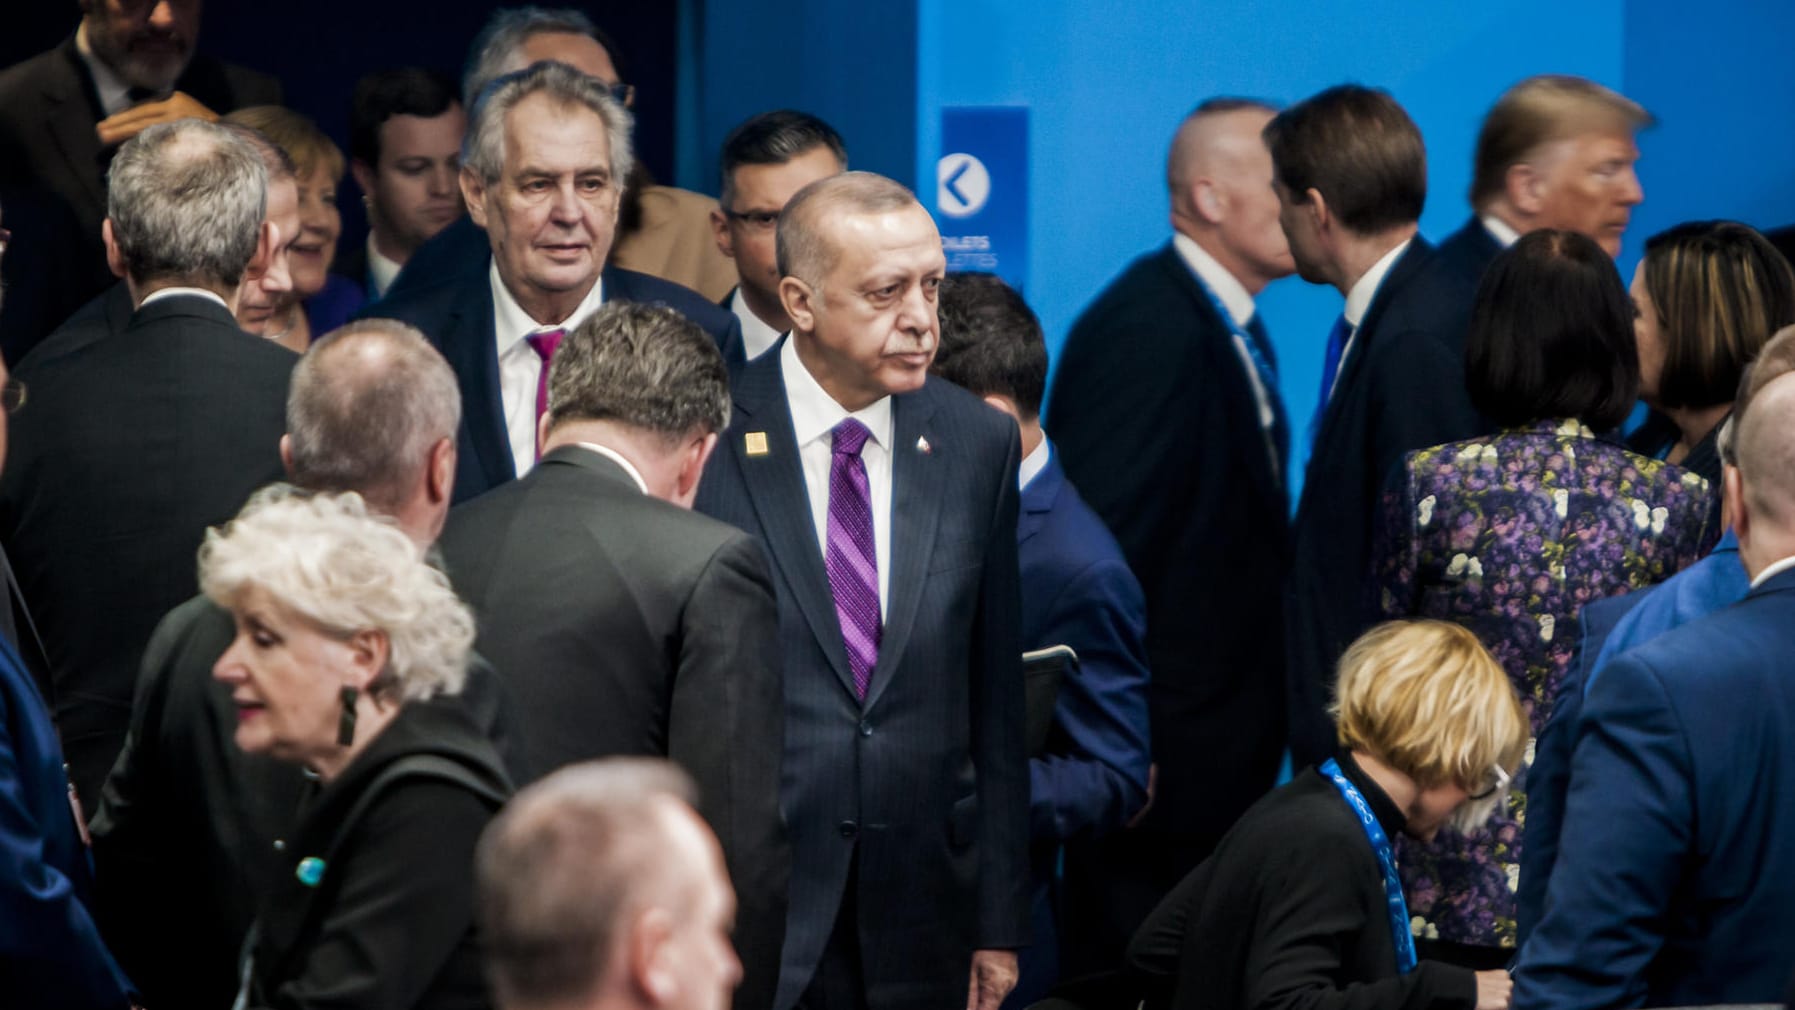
(43, 923)
(1101, 780)
(1627, 825)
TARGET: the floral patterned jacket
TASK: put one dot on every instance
(1510, 536)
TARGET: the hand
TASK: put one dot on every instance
(1152, 787)
(1493, 988)
(134, 120)
(994, 974)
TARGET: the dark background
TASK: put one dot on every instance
(319, 48)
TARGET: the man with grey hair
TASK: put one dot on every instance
(625, 623)
(600, 888)
(662, 231)
(888, 501)
(186, 819)
(546, 154)
(133, 446)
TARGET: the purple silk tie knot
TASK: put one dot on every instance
(850, 557)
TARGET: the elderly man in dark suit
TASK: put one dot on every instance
(1351, 177)
(623, 622)
(887, 500)
(134, 445)
(64, 112)
(546, 157)
(1672, 885)
(1166, 414)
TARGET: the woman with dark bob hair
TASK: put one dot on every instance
(1511, 534)
(1708, 294)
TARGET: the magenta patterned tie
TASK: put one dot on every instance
(544, 345)
(851, 560)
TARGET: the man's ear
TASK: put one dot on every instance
(115, 257)
(542, 427)
(799, 299)
(1525, 187)
(720, 231)
(364, 178)
(473, 193)
(439, 471)
(691, 468)
(645, 954)
(1734, 513)
(1207, 200)
(1316, 206)
(286, 455)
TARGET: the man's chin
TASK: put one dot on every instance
(157, 73)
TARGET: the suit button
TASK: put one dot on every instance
(866, 728)
(849, 829)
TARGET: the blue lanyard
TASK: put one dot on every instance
(1268, 375)
(1386, 857)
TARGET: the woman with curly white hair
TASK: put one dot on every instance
(341, 631)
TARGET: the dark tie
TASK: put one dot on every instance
(850, 558)
(1265, 362)
(1330, 367)
(544, 345)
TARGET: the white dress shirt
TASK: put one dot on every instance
(617, 458)
(1499, 230)
(814, 417)
(115, 94)
(381, 271)
(757, 337)
(520, 367)
(1772, 570)
(1240, 308)
(161, 293)
(1359, 299)
(1032, 465)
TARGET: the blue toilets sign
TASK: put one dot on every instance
(981, 190)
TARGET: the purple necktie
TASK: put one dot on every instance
(544, 345)
(850, 558)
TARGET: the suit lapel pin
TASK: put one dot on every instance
(310, 871)
(922, 446)
(755, 442)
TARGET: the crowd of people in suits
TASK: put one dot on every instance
(586, 593)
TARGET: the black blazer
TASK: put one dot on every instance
(623, 624)
(1155, 421)
(1469, 250)
(1401, 388)
(390, 924)
(187, 823)
(48, 109)
(124, 454)
(1290, 911)
(105, 315)
(926, 782)
(456, 314)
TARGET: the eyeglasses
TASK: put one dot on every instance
(12, 395)
(756, 220)
(622, 94)
(1498, 782)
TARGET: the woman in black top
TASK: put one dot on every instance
(1299, 906)
(342, 632)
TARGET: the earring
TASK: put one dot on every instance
(346, 722)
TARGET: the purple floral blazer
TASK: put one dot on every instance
(1510, 536)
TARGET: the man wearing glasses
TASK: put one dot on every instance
(766, 160)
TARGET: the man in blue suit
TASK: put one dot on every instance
(51, 955)
(1077, 591)
(546, 156)
(1673, 885)
(887, 503)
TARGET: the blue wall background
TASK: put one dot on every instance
(1107, 84)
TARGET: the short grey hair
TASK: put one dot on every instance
(328, 560)
(367, 403)
(644, 366)
(561, 870)
(802, 247)
(186, 200)
(483, 149)
(495, 50)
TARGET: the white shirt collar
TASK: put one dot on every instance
(1233, 294)
(815, 413)
(115, 94)
(381, 270)
(1772, 570)
(1365, 288)
(1033, 464)
(1499, 230)
(161, 293)
(617, 457)
(757, 336)
(511, 324)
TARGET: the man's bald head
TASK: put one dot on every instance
(1764, 445)
(804, 244)
(1219, 177)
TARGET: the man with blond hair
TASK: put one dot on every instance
(1555, 151)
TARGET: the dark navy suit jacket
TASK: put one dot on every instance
(455, 312)
(1469, 250)
(923, 785)
(1674, 885)
(1400, 388)
(51, 954)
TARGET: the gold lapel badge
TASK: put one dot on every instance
(922, 446)
(755, 442)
